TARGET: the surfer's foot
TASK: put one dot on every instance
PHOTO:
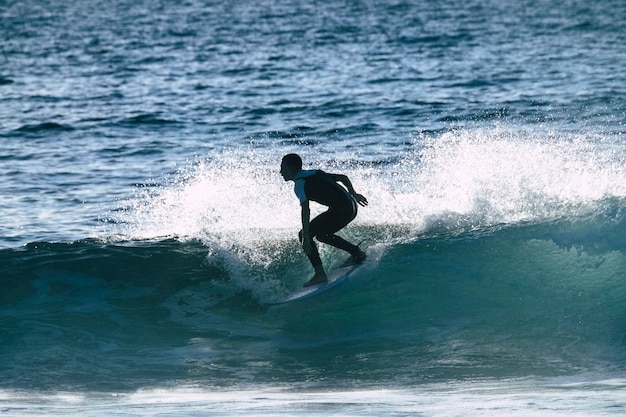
(359, 257)
(355, 259)
(318, 278)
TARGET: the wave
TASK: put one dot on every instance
(597, 234)
(490, 254)
(147, 119)
(43, 127)
(530, 299)
(578, 261)
(455, 180)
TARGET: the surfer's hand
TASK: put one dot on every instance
(361, 199)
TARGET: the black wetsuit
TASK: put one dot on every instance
(320, 187)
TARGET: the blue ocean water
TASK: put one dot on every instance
(145, 227)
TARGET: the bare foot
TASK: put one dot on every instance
(317, 279)
(355, 259)
(359, 257)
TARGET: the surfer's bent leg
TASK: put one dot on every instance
(324, 227)
(339, 242)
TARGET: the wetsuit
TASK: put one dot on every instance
(318, 186)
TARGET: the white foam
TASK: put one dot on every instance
(471, 398)
(237, 203)
(487, 175)
(494, 176)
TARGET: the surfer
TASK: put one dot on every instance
(323, 188)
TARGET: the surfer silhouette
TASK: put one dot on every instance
(323, 188)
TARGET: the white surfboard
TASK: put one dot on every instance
(335, 278)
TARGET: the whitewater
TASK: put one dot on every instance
(146, 231)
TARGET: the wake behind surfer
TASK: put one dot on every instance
(323, 188)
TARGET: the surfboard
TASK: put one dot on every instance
(335, 277)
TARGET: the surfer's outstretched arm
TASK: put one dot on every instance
(348, 184)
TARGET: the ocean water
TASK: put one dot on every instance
(146, 230)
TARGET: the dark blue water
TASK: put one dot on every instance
(145, 227)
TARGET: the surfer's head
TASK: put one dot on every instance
(290, 166)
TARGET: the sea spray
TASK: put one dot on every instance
(462, 178)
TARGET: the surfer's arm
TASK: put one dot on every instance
(306, 222)
(348, 184)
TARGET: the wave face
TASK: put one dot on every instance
(536, 299)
